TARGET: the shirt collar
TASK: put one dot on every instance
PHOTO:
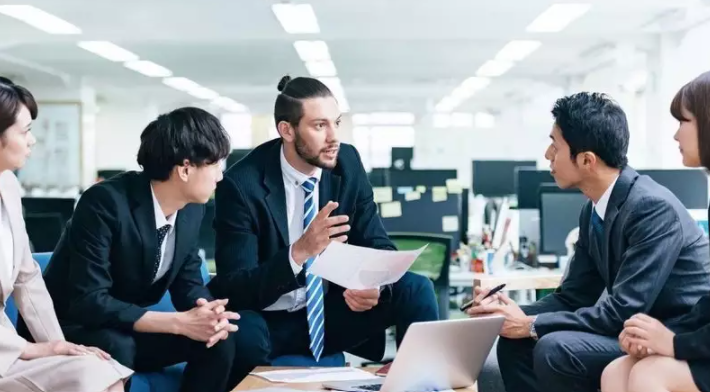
(293, 176)
(603, 202)
(160, 219)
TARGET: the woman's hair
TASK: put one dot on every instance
(695, 98)
(289, 105)
(12, 98)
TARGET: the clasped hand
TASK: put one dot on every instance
(208, 322)
(644, 335)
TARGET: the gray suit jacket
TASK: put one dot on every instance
(652, 258)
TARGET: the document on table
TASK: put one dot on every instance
(315, 375)
(358, 268)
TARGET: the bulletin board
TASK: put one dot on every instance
(56, 157)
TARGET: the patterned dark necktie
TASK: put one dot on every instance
(162, 233)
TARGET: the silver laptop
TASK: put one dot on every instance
(435, 356)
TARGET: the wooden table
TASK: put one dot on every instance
(253, 382)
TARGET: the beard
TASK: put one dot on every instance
(313, 158)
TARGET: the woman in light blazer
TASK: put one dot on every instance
(51, 364)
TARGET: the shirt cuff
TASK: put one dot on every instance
(294, 266)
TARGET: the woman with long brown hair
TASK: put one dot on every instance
(678, 359)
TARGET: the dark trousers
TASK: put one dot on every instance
(411, 299)
(562, 361)
(219, 368)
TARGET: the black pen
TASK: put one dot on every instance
(470, 303)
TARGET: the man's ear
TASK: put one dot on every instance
(287, 132)
(183, 171)
(588, 160)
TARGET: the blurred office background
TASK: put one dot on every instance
(448, 103)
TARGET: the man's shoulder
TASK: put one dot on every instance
(348, 158)
(648, 193)
(110, 193)
(253, 164)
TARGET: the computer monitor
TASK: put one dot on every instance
(496, 178)
(690, 186)
(108, 173)
(402, 158)
(527, 186)
(64, 206)
(559, 215)
(411, 178)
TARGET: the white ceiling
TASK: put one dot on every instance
(391, 55)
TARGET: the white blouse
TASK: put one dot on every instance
(6, 240)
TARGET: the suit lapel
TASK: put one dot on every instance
(618, 196)
(144, 216)
(328, 189)
(276, 196)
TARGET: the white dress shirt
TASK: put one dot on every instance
(295, 199)
(603, 202)
(167, 249)
(6, 240)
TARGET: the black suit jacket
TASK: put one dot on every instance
(652, 258)
(101, 272)
(251, 253)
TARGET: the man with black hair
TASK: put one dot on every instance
(134, 237)
(637, 243)
(278, 208)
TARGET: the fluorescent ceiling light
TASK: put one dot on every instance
(336, 88)
(108, 50)
(484, 120)
(493, 68)
(475, 83)
(557, 17)
(321, 68)
(180, 83)
(149, 68)
(312, 50)
(447, 104)
(230, 104)
(296, 18)
(203, 93)
(517, 50)
(39, 19)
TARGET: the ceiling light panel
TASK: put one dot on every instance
(517, 50)
(296, 18)
(108, 50)
(558, 17)
(39, 19)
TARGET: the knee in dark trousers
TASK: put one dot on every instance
(252, 340)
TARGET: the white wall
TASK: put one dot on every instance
(118, 130)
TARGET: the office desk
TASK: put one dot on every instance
(253, 382)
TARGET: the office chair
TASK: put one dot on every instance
(433, 263)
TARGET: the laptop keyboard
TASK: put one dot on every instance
(371, 387)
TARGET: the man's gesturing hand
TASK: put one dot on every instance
(319, 233)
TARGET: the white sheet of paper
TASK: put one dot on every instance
(315, 375)
(450, 224)
(359, 268)
(391, 209)
(382, 194)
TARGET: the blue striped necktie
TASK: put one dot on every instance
(314, 284)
